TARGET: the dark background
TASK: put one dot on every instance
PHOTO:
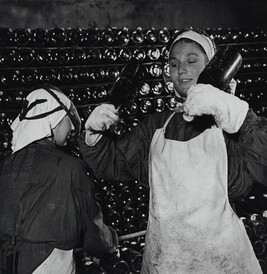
(133, 13)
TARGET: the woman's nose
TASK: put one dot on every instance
(182, 68)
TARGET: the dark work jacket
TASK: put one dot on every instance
(46, 202)
(126, 158)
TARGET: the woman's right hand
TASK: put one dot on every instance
(102, 118)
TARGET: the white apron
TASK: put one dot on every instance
(192, 227)
(58, 262)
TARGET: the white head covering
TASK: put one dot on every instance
(206, 43)
(203, 40)
(43, 113)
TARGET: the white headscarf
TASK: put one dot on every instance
(27, 130)
(206, 43)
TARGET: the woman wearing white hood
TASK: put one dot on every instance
(47, 204)
(193, 168)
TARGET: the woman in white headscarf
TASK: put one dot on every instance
(47, 204)
(193, 168)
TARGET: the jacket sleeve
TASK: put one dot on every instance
(247, 156)
(122, 158)
(97, 238)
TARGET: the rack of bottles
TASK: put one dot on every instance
(85, 63)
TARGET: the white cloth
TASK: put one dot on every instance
(192, 227)
(201, 39)
(28, 131)
(59, 262)
(228, 110)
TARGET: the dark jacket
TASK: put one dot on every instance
(126, 158)
(46, 202)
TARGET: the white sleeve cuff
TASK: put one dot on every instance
(92, 138)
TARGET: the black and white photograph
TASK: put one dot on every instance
(133, 137)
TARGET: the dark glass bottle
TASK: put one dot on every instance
(145, 106)
(110, 55)
(133, 258)
(159, 105)
(125, 196)
(258, 247)
(12, 99)
(144, 90)
(112, 73)
(110, 199)
(155, 70)
(130, 109)
(137, 36)
(25, 57)
(91, 37)
(124, 55)
(5, 37)
(77, 56)
(7, 57)
(141, 193)
(164, 35)
(61, 57)
(5, 141)
(157, 88)
(108, 36)
(120, 128)
(57, 37)
(82, 75)
(21, 36)
(141, 210)
(113, 264)
(93, 55)
(128, 228)
(64, 76)
(171, 103)
(85, 263)
(123, 37)
(98, 75)
(44, 57)
(128, 213)
(29, 77)
(151, 36)
(221, 68)
(47, 75)
(39, 37)
(74, 36)
(153, 54)
(139, 54)
(112, 217)
(10, 78)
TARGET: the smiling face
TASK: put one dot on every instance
(187, 60)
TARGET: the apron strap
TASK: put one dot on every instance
(167, 122)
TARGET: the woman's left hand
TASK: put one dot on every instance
(228, 110)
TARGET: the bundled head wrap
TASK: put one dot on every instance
(42, 110)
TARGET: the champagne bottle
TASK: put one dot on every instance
(222, 67)
(113, 264)
(91, 37)
(39, 37)
(123, 37)
(21, 36)
(57, 37)
(133, 258)
(5, 37)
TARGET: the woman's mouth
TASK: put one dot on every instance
(181, 81)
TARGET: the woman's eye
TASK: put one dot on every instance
(173, 65)
(191, 61)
